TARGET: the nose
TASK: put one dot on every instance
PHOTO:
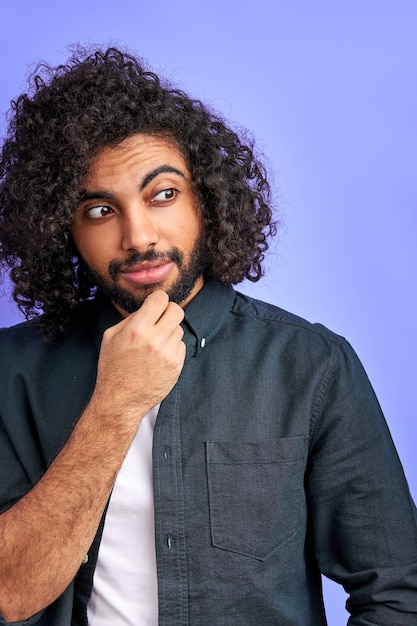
(139, 232)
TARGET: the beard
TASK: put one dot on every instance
(189, 273)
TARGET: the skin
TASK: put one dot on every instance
(146, 345)
(138, 206)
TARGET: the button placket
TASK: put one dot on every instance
(169, 514)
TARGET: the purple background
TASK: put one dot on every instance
(330, 91)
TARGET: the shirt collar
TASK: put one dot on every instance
(204, 315)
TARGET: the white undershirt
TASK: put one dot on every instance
(125, 589)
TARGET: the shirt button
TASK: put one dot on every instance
(170, 542)
(166, 453)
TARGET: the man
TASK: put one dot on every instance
(173, 452)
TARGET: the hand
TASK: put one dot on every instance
(140, 359)
(139, 363)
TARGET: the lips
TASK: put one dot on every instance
(148, 272)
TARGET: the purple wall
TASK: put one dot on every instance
(330, 91)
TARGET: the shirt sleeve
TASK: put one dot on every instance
(363, 519)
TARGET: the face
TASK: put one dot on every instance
(137, 226)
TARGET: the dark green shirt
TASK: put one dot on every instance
(272, 465)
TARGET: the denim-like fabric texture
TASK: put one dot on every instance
(272, 465)
(255, 494)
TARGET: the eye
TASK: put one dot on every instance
(97, 212)
(165, 195)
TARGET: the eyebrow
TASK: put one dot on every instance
(105, 195)
(95, 195)
(162, 169)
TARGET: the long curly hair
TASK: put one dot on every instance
(98, 99)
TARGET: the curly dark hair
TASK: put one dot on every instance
(98, 99)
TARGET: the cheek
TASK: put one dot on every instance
(94, 246)
(189, 229)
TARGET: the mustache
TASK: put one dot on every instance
(115, 267)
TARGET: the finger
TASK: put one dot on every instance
(176, 335)
(181, 353)
(171, 317)
(153, 307)
(148, 314)
(168, 340)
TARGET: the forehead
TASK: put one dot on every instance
(141, 152)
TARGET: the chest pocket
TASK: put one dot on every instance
(255, 494)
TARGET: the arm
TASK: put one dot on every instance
(363, 518)
(55, 523)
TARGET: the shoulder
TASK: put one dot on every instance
(22, 345)
(294, 340)
(283, 321)
(21, 337)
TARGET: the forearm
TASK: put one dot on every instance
(45, 535)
